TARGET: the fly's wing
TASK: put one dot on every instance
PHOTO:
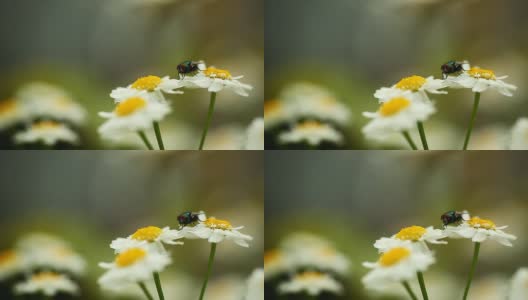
(201, 65)
(465, 65)
(201, 216)
(465, 215)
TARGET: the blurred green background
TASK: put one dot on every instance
(354, 198)
(91, 47)
(90, 198)
(356, 47)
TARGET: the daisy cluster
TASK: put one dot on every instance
(406, 255)
(40, 115)
(305, 116)
(41, 264)
(406, 105)
(305, 264)
(142, 105)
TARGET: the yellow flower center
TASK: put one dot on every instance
(481, 73)
(129, 257)
(129, 106)
(394, 106)
(394, 256)
(215, 223)
(43, 125)
(149, 233)
(481, 223)
(42, 276)
(7, 256)
(308, 275)
(412, 233)
(272, 256)
(7, 106)
(217, 73)
(271, 106)
(147, 83)
(412, 83)
(307, 125)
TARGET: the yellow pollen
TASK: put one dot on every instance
(147, 83)
(481, 223)
(42, 125)
(217, 73)
(394, 106)
(307, 125)
(7, 106)
(129, 106)
(412, 83)
(215, 223)
(7, 256)
(272, 106)
(412, 233)
(272, 256)
(42, 276)
(481, 73)
(149, 233)
(394, 256)
(130, 257)
(307, 275)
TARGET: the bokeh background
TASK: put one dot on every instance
(356, 47)
(352, 199)
(90, 198)
(91, 47)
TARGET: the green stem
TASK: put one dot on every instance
(422, 135)
(158, 135)
(409, 290)
(158, 285)
(472, 120)
(422, 285)
(208, 121)
(209, 267)
(145, 139)
(407, 137)
(144, 289)
(472, 270)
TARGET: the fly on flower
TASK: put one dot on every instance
(453, 68)
(454, 217)
(190, 68)
(191, 218)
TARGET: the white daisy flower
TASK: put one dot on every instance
(413, 235)
(58, 258)
(300, 240)
(255, 286)
(322, 259)
(29, 241)
(11, 263)
(215, 231)
(479, 80)
(275, 263)
(519, 285)
(11, 113)
(134, 265)
(311, 283)
(149, 87)
(396, 115)
(480, 230)
(396, 265)
(42, 100)
(48, 284)
(255, 135)
(413, 87)
(313, 133)
(132, 115)
(150, 235)
(48, 133)
(215, 80)
(276, 113)
(519, 135)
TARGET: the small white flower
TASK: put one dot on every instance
(396, 115)
(519, 135)
(312, 132)
(396, 265)
(11, 113)
(48, 133)
(255, 135)
(519, 285)
(255, 286)
(58, 258)
(479, 230)
(133, 266)
(149, 87)
(311, 283)
(132, 115)
(275, 263)
(215, 80)
(479, 80)
(215, 231)
(322, 259)
(414, 235)
(30, 241)
(276, 113)
(150, 235)
(299, 240)
(48, 284)
(11, 263)
(413, 87)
